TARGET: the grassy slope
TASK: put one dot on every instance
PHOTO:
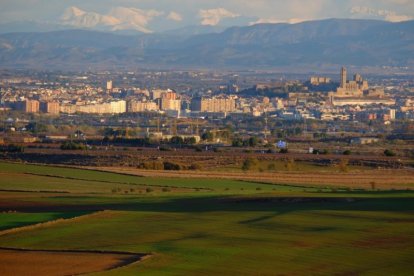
(12, 220)
(221, 233)
(229, 238)
(76, 180)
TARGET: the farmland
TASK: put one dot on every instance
(141, 222)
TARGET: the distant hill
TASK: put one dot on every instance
(333, 42)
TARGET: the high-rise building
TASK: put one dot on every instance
(170, 104)
(169, 101)
(28, 106)
(50, 107)
(216, 104)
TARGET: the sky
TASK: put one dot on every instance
(159, 15)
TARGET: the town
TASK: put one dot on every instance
(202, 102)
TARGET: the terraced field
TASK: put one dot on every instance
(197, 226)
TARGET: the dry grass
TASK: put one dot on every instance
(383, 179)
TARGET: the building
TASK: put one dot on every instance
(364, 140)
(319, 80)
(354, 88)
(28, 106)
(50, 107)
(158, 93)
(139, 106)
(215, 104)
(342, 101)
(169, 101)
(328, 116)
(343, 77)
(109, 85)
(113, 107)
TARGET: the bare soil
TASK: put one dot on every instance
(28, 262)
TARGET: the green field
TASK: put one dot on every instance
(209, 227)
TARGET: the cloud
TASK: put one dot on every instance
(133, 18)
(79, 18)
(119, 18)
(214, 16)
(276, 21)
(380, 14)
(174, 16)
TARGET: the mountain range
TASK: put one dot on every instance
(316, 43)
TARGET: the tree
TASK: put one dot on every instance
(190, 141)
(253, 141)
(237, 142)
(207, 136)
(177, 140)
(250, 164)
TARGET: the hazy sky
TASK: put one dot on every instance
(150, 15)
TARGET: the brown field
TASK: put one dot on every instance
(28, 262)
(383, 179)
(133, 157)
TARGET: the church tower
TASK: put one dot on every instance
(343, 77)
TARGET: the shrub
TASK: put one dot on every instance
(149, 190)
(12, 148)
(250, 164)
(347, 152)
(165, 148)
(284, 151)
(169, 166)
(389, 153)
(166, 190)
(325, 151)
(69, 145)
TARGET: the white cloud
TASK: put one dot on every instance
(380, 14)
(214, 16)
(133, 18)
(275, 21)
(119, 18)
(83, 19)
(174, 16)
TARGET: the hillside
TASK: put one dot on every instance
(332, 42)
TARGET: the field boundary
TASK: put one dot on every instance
(46, 223)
